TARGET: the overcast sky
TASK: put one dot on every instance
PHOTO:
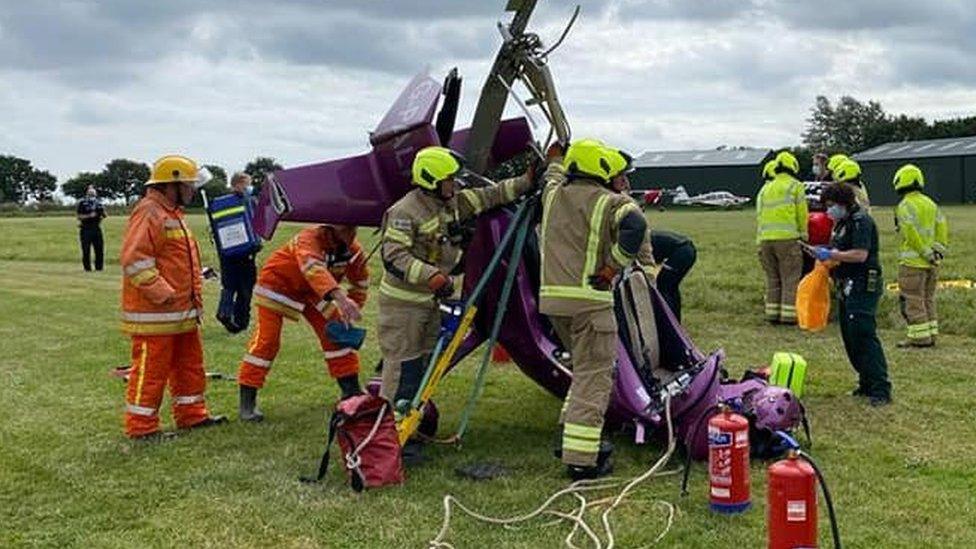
(85, 81)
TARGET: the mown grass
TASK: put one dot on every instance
(902, 476)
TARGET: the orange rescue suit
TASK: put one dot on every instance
(161, 309)
(294, 282)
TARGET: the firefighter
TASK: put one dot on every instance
(781, 212)
(421, 247)
(90, 213)
(238, 273)
(589, 233)
(302, 279)
(849, 173)
(162, 303)
(833, 162)
(924, 241)
(853, 254)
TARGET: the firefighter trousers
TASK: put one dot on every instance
(157, 361)
(407, 334)
(593, 345)
(266, 342)
(917, 287)
(857, 301)
(782, 261)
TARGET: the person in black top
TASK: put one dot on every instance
(676, 255)
(90, 213)
(238, 274)
(857, 279)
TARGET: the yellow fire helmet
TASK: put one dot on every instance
(835, 160)
(769, 170)
(847, 171)
(433, 165)
(175, 168)
(907, 176)
(786, 162)
(592, 158)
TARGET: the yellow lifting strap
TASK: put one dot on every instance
(410, 422)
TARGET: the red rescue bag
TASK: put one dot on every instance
(368, 440)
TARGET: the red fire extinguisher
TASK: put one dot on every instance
(791, 505)
(728, 462)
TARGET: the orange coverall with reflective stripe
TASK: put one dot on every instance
(294, 282)
(161, 308)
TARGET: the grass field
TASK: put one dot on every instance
(902, 476)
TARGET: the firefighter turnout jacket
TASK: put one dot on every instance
(781, 210)
(923, 228)
(422, 235)
(161, 283)
(303, 272)
(573, 252)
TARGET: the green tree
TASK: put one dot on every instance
(259, 167)
(21, 182)
(14, 173)
(125, 178)
(77, 185)
(40, 186)
(849, 126)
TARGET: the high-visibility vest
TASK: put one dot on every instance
(781, 210)
(923, 228)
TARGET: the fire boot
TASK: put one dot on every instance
(248, 408)
(411, 374)
(349, 385)
(209, 422)
(603, 467)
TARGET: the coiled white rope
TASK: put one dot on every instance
(576, 489)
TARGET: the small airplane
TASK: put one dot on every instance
(715, 199)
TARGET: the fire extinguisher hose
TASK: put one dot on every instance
(834, 531)
(690, 442)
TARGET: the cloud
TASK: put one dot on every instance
(85, 81)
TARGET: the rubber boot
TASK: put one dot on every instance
(210, 422)
(349, 385)
(411, 374)
(603, 467)
(248, 408)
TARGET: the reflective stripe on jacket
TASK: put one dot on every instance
(923, 228)
(578, 239)
(781, 210)
(161, 271)
(303, 271)
(421, 235)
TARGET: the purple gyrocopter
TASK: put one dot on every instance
(357, 190)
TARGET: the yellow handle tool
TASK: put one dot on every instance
(411, 421)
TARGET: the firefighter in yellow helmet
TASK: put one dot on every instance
(589, 233)
(849, 173)
(421, 247)
(924, 242)
(162, 303)
(833, 162)
(781, 214)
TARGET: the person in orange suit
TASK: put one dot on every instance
(162, 303)
(302, 279)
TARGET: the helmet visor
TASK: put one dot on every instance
(203, 177)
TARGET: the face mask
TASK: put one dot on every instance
(816, 170)
(249, 190)
(837, 212)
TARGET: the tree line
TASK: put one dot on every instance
(21, 182)
(846, 125)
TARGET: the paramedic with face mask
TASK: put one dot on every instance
(853, 253)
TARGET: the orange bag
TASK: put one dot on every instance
(813, 299)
